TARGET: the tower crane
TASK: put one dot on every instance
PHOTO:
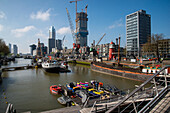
(63, 41)
(100, 39)
(75, 4)
(71, 26)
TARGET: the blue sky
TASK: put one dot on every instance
(22, 22)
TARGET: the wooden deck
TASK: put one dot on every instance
(163, 106)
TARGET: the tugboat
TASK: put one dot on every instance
(51, 66)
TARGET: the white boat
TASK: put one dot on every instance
(51, 66)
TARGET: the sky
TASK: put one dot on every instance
(22, 22)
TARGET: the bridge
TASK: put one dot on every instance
(151, 96)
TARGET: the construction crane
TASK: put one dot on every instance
(77, 44)
(76, 4)
(63, 41)
(100, 39)
(71, 26)
(86, 8)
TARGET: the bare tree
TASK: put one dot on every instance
(151, 47)
(154, 40)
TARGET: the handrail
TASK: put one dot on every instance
(137, 89)
(86, 102)
(93, 107)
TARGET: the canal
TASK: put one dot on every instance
(28, 90)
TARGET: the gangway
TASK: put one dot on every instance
(160, 88)
(141, 99)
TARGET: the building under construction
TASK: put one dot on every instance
(81, 29)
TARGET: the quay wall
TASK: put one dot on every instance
(83, 62)
(121, 73)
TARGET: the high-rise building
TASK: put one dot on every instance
(15, 49)
(81, 29)
(138, 30)
(39, 52)
(51, 40)
(9, 47)
(32, 48)
(59, 44)
(52, 32)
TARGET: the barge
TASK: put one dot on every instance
(128, 73)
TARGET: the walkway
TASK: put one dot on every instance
(163, 105)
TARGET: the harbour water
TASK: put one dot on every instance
(28, 90)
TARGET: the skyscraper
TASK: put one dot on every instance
(52, 32)
(33, 47)
(9, 47)
(15, 49)
(138, 30)
(59, 44)
(51, 40)
(81, 29)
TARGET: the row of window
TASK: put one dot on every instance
(132, 19)
(131, 16)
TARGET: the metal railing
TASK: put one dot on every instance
(143, 93)
(10, 109)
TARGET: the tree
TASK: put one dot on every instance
(147, 49)
(4, 50)
(154, 40)
(151, 47)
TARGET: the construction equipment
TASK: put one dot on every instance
(100, 39)
(63, 41)
(76, 4)
(75, 45)
(86, 8)
(71, 25)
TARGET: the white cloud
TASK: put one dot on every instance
(2, 15)
(64, 30)
(40, 34)
(1, 27)
(20, 32)
(44, 16)
(117, 23)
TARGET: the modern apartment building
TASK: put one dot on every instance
(138, 29)
(15, 49)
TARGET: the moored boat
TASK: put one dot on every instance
(55, 89)
(51, 66)
(96, 93)
(65, 100)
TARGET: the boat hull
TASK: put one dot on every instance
(52, 70)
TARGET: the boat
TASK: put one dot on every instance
(51, 66)
(55, 89)
(83, 85)
(95, 92)
(82, 94)
(65, 100)
(39, 63)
